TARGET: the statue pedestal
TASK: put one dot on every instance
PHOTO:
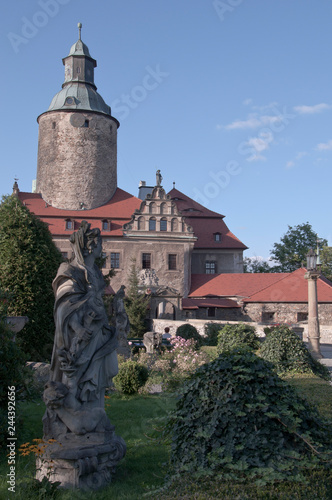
(87, 467)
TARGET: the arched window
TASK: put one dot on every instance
(163, 208)
(152, 208)
(69, 224)
(163, 224)
(174, 225)
(105, 224)
(152, 224)
(140, 223)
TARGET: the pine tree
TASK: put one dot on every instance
(29, 262)
(136, 303)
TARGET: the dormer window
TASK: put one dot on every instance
(69, 101)
(217, 237)
(69, 224)
(106, 225)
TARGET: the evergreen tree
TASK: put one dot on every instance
(136, 303)
(29, 262)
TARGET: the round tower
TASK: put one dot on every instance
(77, 144)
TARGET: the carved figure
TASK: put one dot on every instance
(152, 341)
(159, 178)
(84, 361)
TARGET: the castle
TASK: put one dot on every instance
(189, 261)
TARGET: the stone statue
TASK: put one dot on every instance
(121, 323)
(152, 341)
(84, 361)
(159, 178)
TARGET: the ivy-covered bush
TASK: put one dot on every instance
(237, 420)
(12, 373)
(212, 331)
(238, 335)
(287, 352)
(131, 377)
(188, 331)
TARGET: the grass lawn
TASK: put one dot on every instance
(144, 466)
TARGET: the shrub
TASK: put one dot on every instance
(287, 352)
(239, 335)
(212, 331)
(187, 331)
(12, 373)
(237, 420)
(131, 377)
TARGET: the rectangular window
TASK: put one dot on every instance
(302, 316)
(146, 261)
(267, 317)
(211, 312)
(105, 225)
(172, 261)
(69, 224)
(210, 267)
(163, 225)
(115, 260)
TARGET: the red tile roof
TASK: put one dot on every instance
(293, 288)
(205, 223)
(231, 284)
(118, 210)
(259, 287)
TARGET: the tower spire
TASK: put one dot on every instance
(79, 30)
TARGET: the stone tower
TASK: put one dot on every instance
(77, 145)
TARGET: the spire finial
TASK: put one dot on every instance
(79, 30)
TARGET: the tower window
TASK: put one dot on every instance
(172, 261)
(210, 267)
(146, 261)
(53, 125)
(86, 124)
(69, 101)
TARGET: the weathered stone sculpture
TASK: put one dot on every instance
(122, 323)
(152, 341)
(84, 361)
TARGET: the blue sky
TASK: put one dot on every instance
(230, 99)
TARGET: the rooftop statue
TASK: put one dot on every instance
(84, 361)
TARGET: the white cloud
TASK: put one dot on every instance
(310, 110)
(300, 155)
(257, 145)
(254, 121)
(247, 102)
(290, 164)
(324, 146)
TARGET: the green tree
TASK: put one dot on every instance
(326, 260)
(29, 262)
(136, 303)
(256, 265)
(291, 252)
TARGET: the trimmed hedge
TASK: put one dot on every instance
(237, 420)
(288, 352)
(238, 335)
(131, 377)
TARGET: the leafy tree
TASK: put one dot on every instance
(326, 260)
(136, 303)
(291, 252)
(29, 262)
(256, 265)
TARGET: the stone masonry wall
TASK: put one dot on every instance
(77, 159)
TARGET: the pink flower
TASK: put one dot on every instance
(130, 343)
